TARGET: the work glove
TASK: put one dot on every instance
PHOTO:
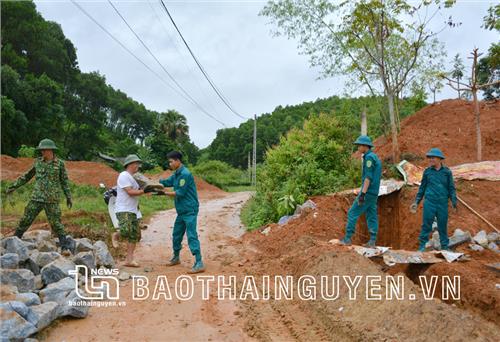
(413, 208)
(455, 209)
(69, 203)
(361, 199)
(9, 190)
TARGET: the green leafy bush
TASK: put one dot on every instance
(310, 161)
(26, 151)
(220, 174)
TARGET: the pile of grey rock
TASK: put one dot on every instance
(483, 240)
(478, 242)
(36, 285)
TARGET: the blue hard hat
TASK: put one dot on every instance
(435, 152)
(364, 140)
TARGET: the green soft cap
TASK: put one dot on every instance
(131, 158)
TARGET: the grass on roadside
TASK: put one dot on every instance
(89, 209)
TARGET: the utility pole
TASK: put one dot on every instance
(249, 168)
(254, 173)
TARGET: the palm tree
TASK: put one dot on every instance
(173, 124)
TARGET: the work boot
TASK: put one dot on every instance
(174, 261)
(198, 267)
(370, 243)
(66, 245)
(19, 234)
(345, 242)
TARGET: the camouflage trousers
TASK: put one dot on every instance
(53, 212)
(129, 226)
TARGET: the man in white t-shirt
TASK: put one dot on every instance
(126, 207)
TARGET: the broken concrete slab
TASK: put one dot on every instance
(392, 257)
(459, 237)
(476, 247)
(308, 205)
(451, 256)
(493, 247)
(370, 252)
(481, 238)
(266, 231)
(493, 237)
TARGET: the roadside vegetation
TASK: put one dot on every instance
(311, 161)
(89, 209)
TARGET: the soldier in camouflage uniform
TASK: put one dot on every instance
(50, 175)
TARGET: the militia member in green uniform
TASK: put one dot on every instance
(366, 202)
(186, 205)
(50, 176)
(437, 187)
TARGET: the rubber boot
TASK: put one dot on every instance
(176, 260)
(198, 267)
(370, 243)
(345, 242)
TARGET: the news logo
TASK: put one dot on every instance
(102, 283)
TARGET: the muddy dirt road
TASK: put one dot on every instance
(172, 320)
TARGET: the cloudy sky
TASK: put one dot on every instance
(255, 71)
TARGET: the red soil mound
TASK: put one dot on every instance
(399, 229)
(449, 125)
(206, 190)
(92, 173)
(79, 172)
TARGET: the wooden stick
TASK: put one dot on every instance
(477, 214)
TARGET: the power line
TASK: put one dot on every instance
(212, 84)
(161, 65)
(135, 56)
(188, 68)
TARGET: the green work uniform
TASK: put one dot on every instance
(186, 205)
(437, 187)
(372, 170)
(50, 177)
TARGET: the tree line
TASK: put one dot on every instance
(44, 94)
(233, 145)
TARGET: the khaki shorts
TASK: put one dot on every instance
(129, 226)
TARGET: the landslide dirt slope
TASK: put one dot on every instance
(91, 173)
(301, 246)
(449, 125)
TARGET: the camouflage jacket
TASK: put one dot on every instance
(49, 178)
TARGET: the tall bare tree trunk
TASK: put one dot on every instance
(394, 128)
(479, 145)
(364, 124)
